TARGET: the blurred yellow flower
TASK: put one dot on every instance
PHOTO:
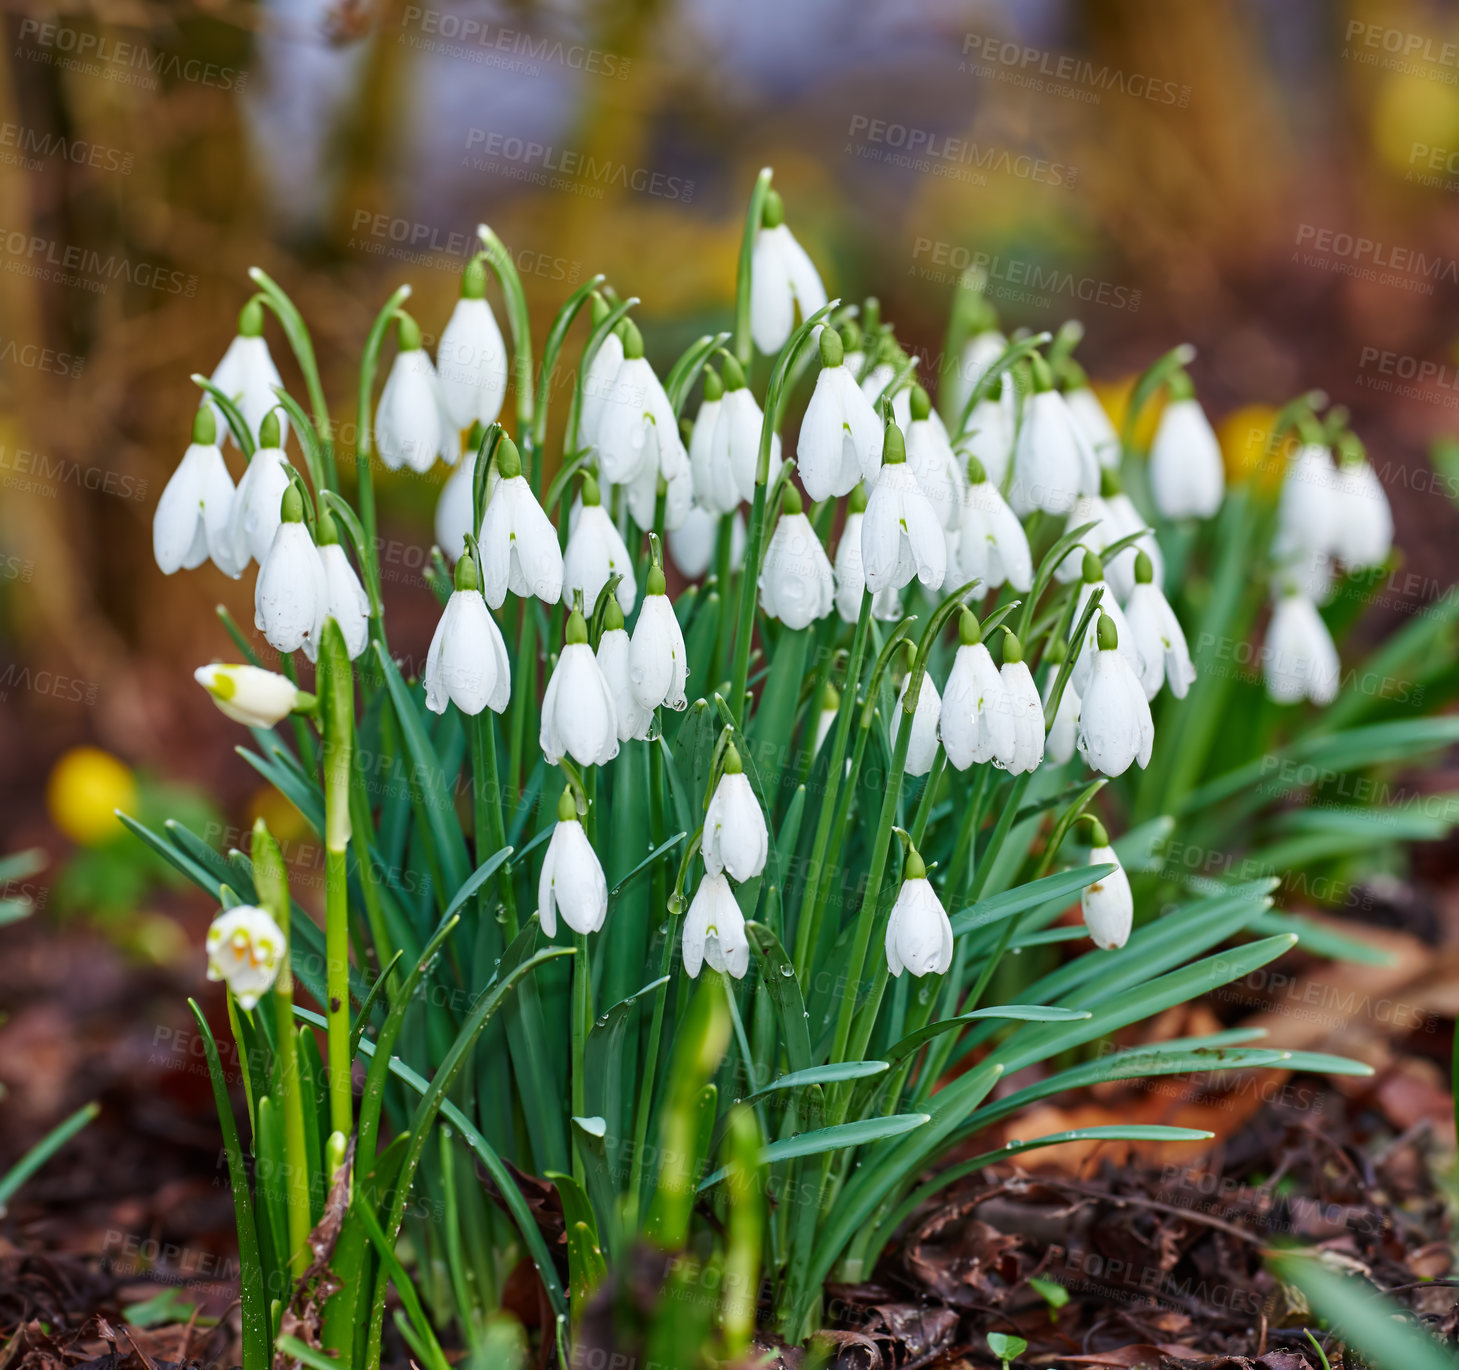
(1248, 448)
(1415, 124)
(86, 786)
(1115, 397)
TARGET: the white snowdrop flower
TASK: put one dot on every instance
(1087, 509)
(1307, 516)
(922, 743)
(901, 535)
(614, 650)
(658, 663)
(1187, 477)
(291, 595)
(693, 544)
(1025, 708)
(1362, 529)
(1121, 519)
(677, 490)
(736, 840)
(992, 546)
(253, 517)
(246, 949)
(572, 882)
(980, 352)
(454, 512)
(247, 375)
(599, 381)
(1065, 727)
(1090, 415)
(192, 518)
(596, 552)
(519, 550)
(1052, 462)
(345, 599)
(250, 695)
(976, 723)
(1299, 658)
(467, 664)
(840, 438)
(714, 930)
(637, 430)
(919, 935)
(933, 461)
(877, 379)
(797, 585)
(736, 443)
(850, 579)
(578, 718)
(1158, 637)
(990, 434)
(411, 425)
(714, 485)
(782, 278)
(1109, 908)
(471, 360)
(1115, 727)
(1108, 604)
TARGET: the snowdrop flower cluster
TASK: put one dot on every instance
(735, 847)
(245, 950)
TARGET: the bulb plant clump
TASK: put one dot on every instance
(726, 861)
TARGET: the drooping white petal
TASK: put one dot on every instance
(291, 596)
(797, 585)
(1065, 727)
(248, 694)
(901, 536)
(632, 718)
(931, 458)
(1109, 908)
(1087, 509)
(992, 546)
(578, 718)
(922, 744)
(715, 488)
(519, 550)
(192, 520)
(693, 544)
(782, 277)
(1052, 463)
(736, 840)
(595, 553)
(1095, 424)
(657, 663)
(919, 935)
(471, 363)
(1187, 477)
(411, 427)
(1122, 519)
(714, 930)
(1108, 604)
(1115, 727)
(976, 722)
(1027, 711)
(254, 515)
(454, 514)
(598, 386)
(1159, 640)
(736, 446)
(990, 438)
(572, 882)
(1362, 534)
(247, 375)
(345, 601)
(840, 436)
(467, 664)
(1299, 657)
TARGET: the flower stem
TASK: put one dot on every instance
(582, 1019)
(753, 215)
(490, 831)
(272, 884)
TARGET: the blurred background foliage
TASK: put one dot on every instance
(1162, 172)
